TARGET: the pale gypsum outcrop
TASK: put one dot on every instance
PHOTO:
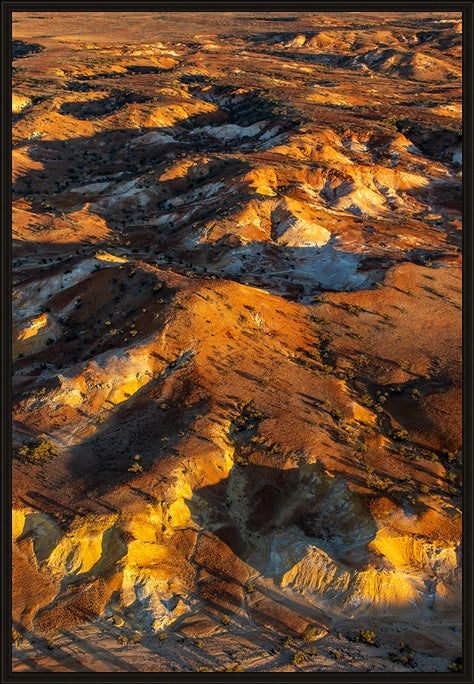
(139, 550)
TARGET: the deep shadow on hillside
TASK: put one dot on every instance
(256, 501)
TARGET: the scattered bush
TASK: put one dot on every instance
(456, 665)
(298, 657)
(310, 634)
(382, 485)
(361, 361)
(400, 434)
(449, 455)
(366, 636)
(404, 654)
(354, 309)
(391, 122)
(38, 453)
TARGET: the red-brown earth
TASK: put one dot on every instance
(236, 341)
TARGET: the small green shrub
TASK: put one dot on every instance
(367, 400)
(391, 122)
(310, 634)
(354, 309)
(298, 657)
(400, 434)
(456, 665)
(361, 361)
(37, 453)
(366, 636)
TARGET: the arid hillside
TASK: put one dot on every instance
(236, 343)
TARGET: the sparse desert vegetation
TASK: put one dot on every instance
(236, 339)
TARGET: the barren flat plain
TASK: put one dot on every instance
(236, 342)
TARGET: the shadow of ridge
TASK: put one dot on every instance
(257, 501)
(19, 662)
(96, 651)
(120, 149)
(103, 461)
(314, 615)
(46, 648)
(81, 163)
(271, 621)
